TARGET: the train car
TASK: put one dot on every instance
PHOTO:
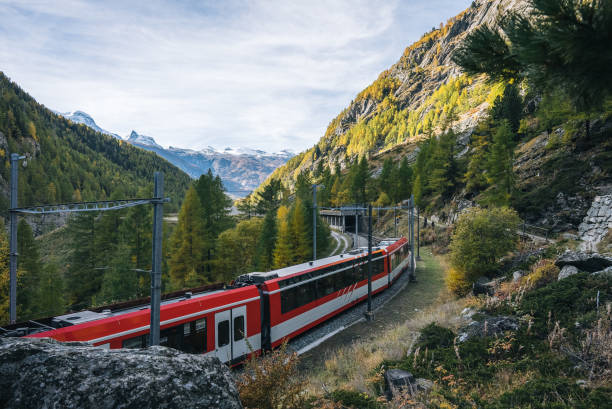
(302, 296)
(257, 312)
(226, 323)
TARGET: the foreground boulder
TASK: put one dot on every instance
(590, 262)
(42, 373)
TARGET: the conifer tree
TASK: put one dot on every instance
(4, 275)
(500, 172)
(51, 299)
(266, 242)
(120, 281)
(444, 167)
(237, 249)
(83, 279)
(300, 235)
(360, 177)
(189, 243)
(269, 198)
(283, 254)
(30, 269)
(475, 176)
(404, 179)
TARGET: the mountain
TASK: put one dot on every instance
(241, 169)
(81, 117)
(556, 168)
(68, 161)
(415, 98)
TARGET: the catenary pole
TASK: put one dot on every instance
(158, 214)
(13, 239)
(418, 223)
(369, 311)
(314, 222)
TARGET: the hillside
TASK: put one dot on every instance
(557, 170)
(68, 162)
(412, 100)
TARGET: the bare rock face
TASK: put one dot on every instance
(590, 262)
(490, 326)
(42, 373)
(596, 223)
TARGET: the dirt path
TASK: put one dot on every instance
(415, 297)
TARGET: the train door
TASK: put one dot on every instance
(239, 343)
(223, 345)
(230, 334)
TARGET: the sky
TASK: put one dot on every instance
(268, 75)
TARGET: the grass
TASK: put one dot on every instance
(356, 366)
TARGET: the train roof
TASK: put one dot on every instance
(258, 277)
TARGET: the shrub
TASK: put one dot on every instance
(543, 272)
(433, 336)
(272, 382)
(354, 399)
(457, 282)
(480, 238)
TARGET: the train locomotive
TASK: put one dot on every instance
(259, 311)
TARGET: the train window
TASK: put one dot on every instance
(136, 342)
(223, 333)
(239, 328)
(186, 328)
(195, 342)
(325, 285)
(200, 325)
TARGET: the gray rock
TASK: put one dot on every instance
(567, 271)
(398, 381)
(605, 272)
(590, 262)
(490, 326)
(517, 275)
(43, 373)
(483, 286)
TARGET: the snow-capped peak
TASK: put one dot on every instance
(84, 118)
(137, 139)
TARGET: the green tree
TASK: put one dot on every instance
(237, 249)
(475, 176)
(189, 243)
(360, 178)
(120, 281)
(479, 239)
(301, 236)
(51, 292)
(269, 198)
(283, 253)
(444, 167)
(266, 243)
(30, 269)
(509, 107)
(500, 173)
(4, 275)
(83, 278)
(404, 178)
(556, 45)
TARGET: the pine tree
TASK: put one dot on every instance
(360, 177)
(83, 279)
(475, 176)
(4, 275)
(120, 282)
(269, 198)
(51, 292)
(404, 179)
(301, 237)
(30, 269)
(266, 242)
(445, 170)
(500, 173)
(189, 243)
(385, 179)
(283, 254)
(237, 249)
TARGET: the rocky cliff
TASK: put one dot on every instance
(42, 373)
(414, 99)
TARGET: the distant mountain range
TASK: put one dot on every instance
(241, 169)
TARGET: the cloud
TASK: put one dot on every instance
(265, 74)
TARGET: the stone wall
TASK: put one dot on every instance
(596, 223)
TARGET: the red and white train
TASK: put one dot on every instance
(259, 311)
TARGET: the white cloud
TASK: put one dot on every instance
(265, 74)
